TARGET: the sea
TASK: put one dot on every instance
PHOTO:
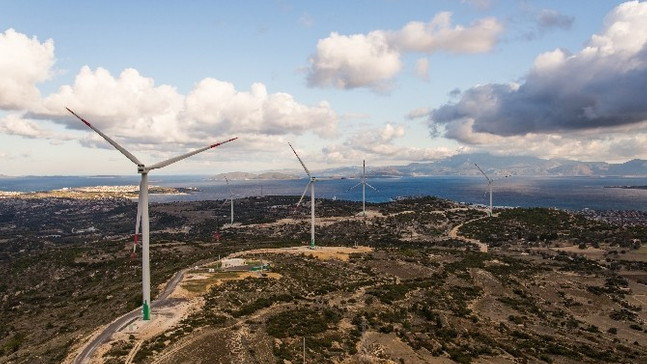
(569, 193)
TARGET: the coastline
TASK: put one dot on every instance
(98, 192)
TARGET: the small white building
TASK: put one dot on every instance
(233, 262)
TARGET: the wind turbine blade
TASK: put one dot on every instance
(139, 216)
(486, 177)
(114, 143)
(359, 184)
(370, 186)
(231, 194)
(300, 161)
(187, 155)
(139, 220)
(304, 193)
(224, 202)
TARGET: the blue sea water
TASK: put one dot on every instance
(571, 193)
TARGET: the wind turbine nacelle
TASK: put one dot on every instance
(141, 168)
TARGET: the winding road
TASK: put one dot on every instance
(91, 347)
(453, 233)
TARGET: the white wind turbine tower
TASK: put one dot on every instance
(231, 200)
(310, 184)
(364, 184)
(489, 182)
(142, 206)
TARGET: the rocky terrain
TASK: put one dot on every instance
(554, 286)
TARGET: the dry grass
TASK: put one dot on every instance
(196, 284)
(321, 252)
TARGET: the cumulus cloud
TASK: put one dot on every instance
(149, 119)
(613, 145)
(353, 61)
(14, 124)
(380, 143)
(215, 105)
(128, 107)
(602, 86)
(371, 138)
(372, 60)
(30, 63)
(440, 35)
(133, 109)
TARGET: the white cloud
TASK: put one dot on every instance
(549, 61)
(216, 106)
(613, 146)
(380, 143)
(129, 106)
(390, 132)
(440, 35)
(372, 139)
(373, 60)
(353, 61)
(418, 113)
(133, 110)
(14, 124)
(149, 119)
(625, 30)
(24, 63)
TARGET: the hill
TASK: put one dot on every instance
(554, 286)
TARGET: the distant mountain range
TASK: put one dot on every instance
(463, 165)
(237, 176)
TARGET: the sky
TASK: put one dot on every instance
(387, 81)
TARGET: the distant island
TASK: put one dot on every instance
(629, 187)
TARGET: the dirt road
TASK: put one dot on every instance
(453, 233)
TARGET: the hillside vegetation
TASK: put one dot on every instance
(554, 286)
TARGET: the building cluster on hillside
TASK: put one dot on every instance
(616, 217)
(113, 189)
(56, 218)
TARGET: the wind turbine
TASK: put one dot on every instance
(489, 182)
(231, 199)
(364, 184)
(310, 184)
(142, 206)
